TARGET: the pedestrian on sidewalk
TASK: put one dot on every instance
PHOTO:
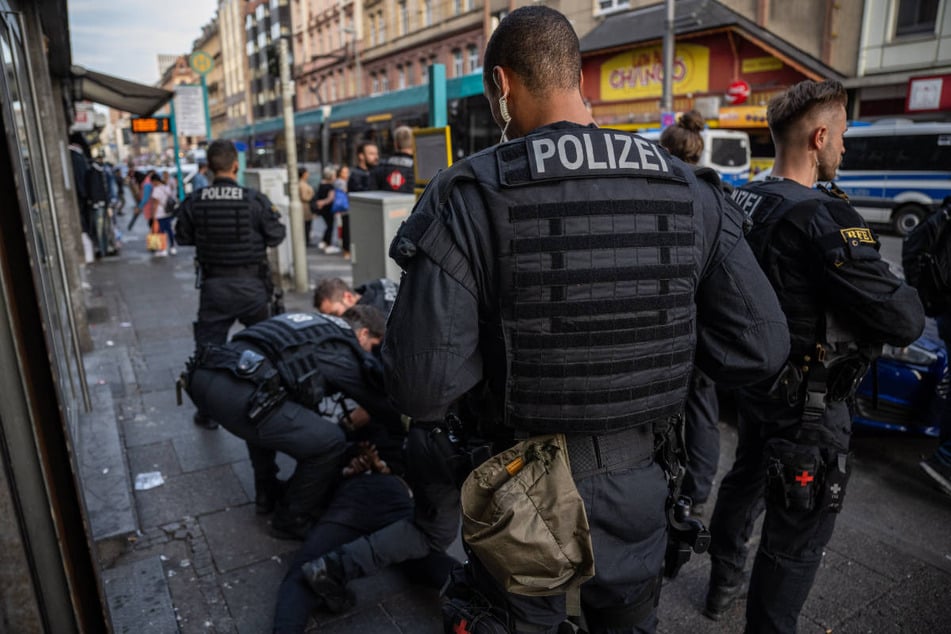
(306, 193)
(231, 228)
(145, 204)
(322, 202)
(163, 199)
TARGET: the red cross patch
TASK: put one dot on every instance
(804, 478)
(395, 179)
(461, 627)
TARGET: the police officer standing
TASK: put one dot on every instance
(568, 276)
(842, 303)
(396, 173)
(268, 387)
(231, 228)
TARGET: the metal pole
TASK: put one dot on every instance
(178, 161)
(298, 242)
(667, 100)
(204, 94)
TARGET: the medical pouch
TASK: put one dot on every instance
(835, 478)
(792, 474)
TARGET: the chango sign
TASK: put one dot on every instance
(639, 73)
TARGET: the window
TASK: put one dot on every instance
(409, 74)
(604, 6)
(400, 78)
(473, 54)
(916, 17)
(385, 82)
(457, 7)
(867, 153)
(457, 70)
(404, 18)
(374, 85)
(427, 12)
(381, 25)
(423, 71)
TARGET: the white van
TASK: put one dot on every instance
(726, 151)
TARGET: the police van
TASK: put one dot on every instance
(726, 151)
(896, 171)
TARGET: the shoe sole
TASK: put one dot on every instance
(939, 479)
(336, 598)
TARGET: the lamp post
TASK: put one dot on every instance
(296, 212)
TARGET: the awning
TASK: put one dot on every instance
(117, 93)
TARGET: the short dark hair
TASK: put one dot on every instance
(539, 45)
(330, 289)
(362, 146)
(786, 110)
(683, 139)
(366, 316)
(221, 155)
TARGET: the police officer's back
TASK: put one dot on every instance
(231, 228)
(571, 272)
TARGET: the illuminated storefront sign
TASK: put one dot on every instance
(639, 73)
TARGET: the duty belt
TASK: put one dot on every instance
(241, 270)
(590, 454)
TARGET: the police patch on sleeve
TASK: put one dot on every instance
(854, 236)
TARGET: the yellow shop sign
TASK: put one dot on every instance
(639, 73)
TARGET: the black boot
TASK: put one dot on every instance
(326, 578)
(267, 494)
(287, 525)
(719, 599)
(204, 422)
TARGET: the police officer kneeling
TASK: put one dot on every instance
(268, 385)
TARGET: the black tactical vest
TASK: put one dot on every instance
(790, 270)
(223, 219)
(380, 294)
(598, 265)
(292, 342)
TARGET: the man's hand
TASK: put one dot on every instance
(366, 460)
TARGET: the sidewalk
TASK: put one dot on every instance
(190, 555)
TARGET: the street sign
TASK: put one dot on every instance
(737, 93)
(201, 62)
(189, 110)
(148, 125)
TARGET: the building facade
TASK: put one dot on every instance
(265, 23)
(210, 43)
(904, 61)
(234, 63)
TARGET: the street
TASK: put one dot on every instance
(198, 559)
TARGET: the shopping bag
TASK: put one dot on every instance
(156, 240)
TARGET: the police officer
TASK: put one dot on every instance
(231, 227)
(702, 409)
(396, 173)
(568, 276)
(841, 302)
(268, 386)
(333, 296)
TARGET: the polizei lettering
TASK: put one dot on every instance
(746, 200)
(222, 193)
(593, 153)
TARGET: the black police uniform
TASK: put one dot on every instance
(381, 294)
(841, 303)
(231, 227)
(267, 385)
(394, 174)
(570, 275)
(702, 439)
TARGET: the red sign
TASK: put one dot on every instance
(737, 93)
(928, 94)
